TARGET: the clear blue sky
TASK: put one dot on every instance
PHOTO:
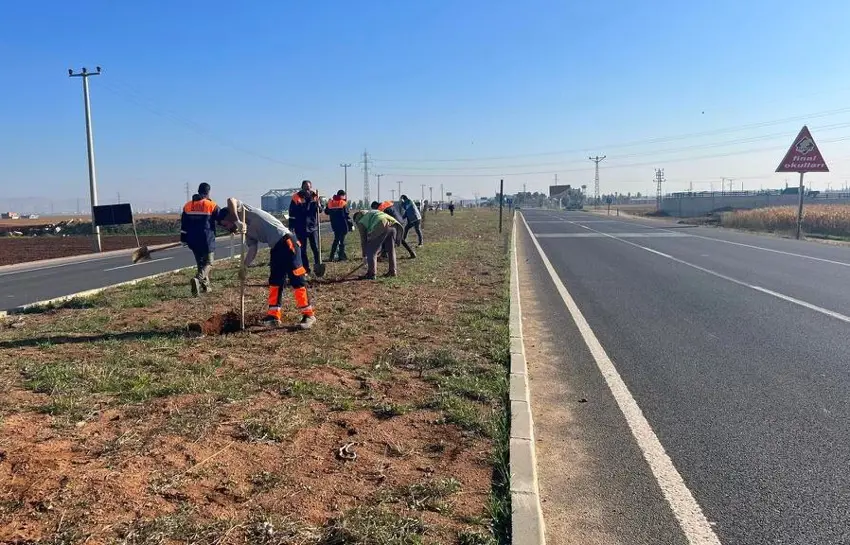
(254, 95)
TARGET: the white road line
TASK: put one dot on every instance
(778, 295)
(685, 508)
(137, 264)
(597, 235)
(751, 246)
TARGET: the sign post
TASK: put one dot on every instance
(803, 156)
(501, 201)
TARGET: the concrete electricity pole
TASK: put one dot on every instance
(596, 160)
(659, 179)
(423, 194)
(399, 188)
(345, 187)
(442, 194)
(392, 194)
(431, 189)
(84, 74)
(378, 176)
(187, 192)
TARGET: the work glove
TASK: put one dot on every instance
(239, 227)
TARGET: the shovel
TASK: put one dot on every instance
(144, 253)
(320, 267)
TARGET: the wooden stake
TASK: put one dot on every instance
(242, 274)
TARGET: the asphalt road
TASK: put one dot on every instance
(734, 347)
(40, 281)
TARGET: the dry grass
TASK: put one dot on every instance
(117, 426)
(826, 220)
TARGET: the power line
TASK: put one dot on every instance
(746, 140)
(610, 166)
(138, 99)
(657, 140)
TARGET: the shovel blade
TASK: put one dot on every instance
(320, 269)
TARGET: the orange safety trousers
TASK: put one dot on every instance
(286, 262)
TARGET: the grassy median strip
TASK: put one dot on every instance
(385, 424)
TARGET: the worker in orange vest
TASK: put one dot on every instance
(197, 231)
(337, 211)
(285, 258)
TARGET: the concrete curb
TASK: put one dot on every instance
(95, 291)
(526, 512)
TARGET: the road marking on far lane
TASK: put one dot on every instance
(776, 294)
(687, 511)
(751, 246)
(137, 264)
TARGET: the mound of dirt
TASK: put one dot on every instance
(221, 324)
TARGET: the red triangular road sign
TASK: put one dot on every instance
(804, 155)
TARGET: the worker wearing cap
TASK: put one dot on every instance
(304, 220)
(285, 259)
(337, 211)
(197, 231)
(378, 230)
(388, 207)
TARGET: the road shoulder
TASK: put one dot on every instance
(595, 486)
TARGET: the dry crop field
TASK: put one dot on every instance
(25, 249)
(820, 219)
(118, 426)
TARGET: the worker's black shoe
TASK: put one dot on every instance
(306, 322)
(390, 274)
(368, 277)
(412, 255)
(271, 321)
(206, 287)
(195, 284)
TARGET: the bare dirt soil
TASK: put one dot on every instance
(25, 249)
(385, 424)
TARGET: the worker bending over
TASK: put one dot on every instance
(285, 259)
(378, 230)
(197, 231)
(337, 211)
(388, 207)
(304, 220)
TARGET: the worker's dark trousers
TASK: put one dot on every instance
(313, 239)
(415, 225)
(285, 261)
(339, 243)
(203, 260)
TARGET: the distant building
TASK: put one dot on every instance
(10, 216)
(276, 201)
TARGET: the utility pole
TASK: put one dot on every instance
(378, 176)
(431, 189)
(345, 166)
(596, 160)
(442, 194)
(659, 179)
(78, 206)
(691, 188)
(84, 74)
(423, 195)
(556, 178)
(392, 194)
(399, 188)
(119, 197)
(366, 198)
(187, 192)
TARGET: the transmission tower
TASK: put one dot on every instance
(659, 179)
(596, 160)
(365, 163)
